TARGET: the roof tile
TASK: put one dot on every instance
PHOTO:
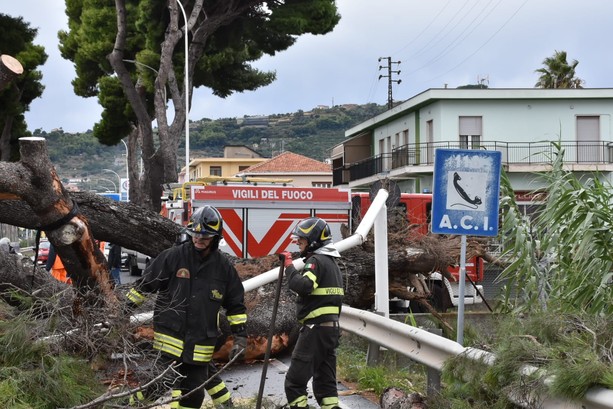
(289, 162)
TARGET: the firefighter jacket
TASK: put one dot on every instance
(191, 291)
(319, 288)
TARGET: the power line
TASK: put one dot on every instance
(426, 28)
(390, 99)
(469, 29)
(483, 44)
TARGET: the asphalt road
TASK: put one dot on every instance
(243, 381)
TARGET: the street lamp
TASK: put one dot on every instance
(109, 180)
(186, 81)
(138, 63)
(116, 174)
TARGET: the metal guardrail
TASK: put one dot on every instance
(413, 342)
(432, 351)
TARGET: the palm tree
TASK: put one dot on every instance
(558, 73)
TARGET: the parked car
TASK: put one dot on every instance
(43, 252)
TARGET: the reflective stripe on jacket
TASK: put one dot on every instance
(190, 294)
(320, 289)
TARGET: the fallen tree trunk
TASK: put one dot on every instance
(34, 181)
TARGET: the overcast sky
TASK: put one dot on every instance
(438, 43)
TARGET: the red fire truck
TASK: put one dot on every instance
(418, 208)
(258, 220)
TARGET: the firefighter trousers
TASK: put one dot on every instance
(186, 378)
(314, 356)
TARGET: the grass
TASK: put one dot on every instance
(34, 378)
(393, 369)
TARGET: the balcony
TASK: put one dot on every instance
(516, 157)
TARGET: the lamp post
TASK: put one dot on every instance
(127, 172)
(116, 174)
(138, 63)
(109, 180)
(186, 81)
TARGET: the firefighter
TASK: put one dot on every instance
(193, 281)
(320, 290)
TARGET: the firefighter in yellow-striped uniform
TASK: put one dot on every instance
(193, 282)
(320, 292)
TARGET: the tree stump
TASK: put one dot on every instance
(10, 69)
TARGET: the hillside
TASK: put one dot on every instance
(311, 134)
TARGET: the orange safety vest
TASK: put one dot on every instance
(58, 271)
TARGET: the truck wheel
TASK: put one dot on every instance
(440, 298)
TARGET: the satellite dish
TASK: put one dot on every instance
(390, 186)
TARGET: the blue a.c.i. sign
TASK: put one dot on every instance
(465, 192)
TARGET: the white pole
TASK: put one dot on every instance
(127, 171)
(186, 80)
(462, 284)
(382, 297)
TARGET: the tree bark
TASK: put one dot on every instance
(34, 181)
(5, 139)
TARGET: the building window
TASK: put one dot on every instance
(215, 171)
(470, 142)
(470, 132)
(430, 141)
(243, 167)
(321, 184)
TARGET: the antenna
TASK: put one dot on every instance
(483, 81)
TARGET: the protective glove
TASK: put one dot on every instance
(239, 347)
(286, 258)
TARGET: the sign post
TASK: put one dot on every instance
(465, 202)
(125, 189)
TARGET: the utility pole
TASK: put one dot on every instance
(390, 99)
